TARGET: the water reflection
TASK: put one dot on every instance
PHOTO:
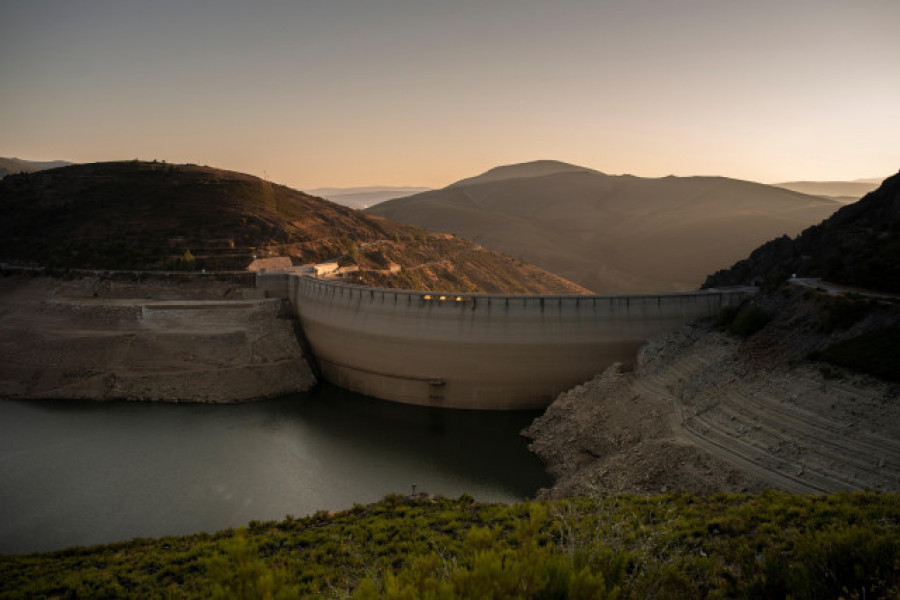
(77, 472)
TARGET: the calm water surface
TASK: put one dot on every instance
(77, 473)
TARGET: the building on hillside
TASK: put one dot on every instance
(325, 268)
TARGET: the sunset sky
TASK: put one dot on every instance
(421, 92)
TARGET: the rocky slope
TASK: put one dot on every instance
(710, 411)
(858, 245)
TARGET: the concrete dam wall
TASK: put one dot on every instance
(477, 351)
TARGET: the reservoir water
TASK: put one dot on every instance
(81, 473)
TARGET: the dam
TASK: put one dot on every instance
(476, 351)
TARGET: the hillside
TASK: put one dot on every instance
(157, 216)
(858, 246)
(17, 165)
(674, 546)
(795, 389)
(612, 234)
(448, 263)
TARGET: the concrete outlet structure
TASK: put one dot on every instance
(477, 351)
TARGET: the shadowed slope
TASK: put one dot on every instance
(858, 245)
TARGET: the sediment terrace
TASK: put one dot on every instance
(101, 340)
(702, 415)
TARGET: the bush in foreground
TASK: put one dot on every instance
(771, 545)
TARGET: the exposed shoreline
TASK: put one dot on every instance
(705, 412)
(162, 341)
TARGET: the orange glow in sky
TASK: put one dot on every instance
(406, 92)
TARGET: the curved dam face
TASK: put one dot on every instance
(479, 351)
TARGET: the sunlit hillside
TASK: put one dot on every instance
(157, 216)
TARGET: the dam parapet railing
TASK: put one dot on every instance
(484, 351)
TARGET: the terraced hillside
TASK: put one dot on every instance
(710, 410)
(793, 429)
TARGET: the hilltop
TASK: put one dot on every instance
(537, 168)
(156, 216)
(612, 234)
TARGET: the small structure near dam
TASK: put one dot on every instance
(477, 351)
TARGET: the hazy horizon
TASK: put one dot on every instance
(402, 93)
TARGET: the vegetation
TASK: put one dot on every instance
(843, 312)
(859, 245)
(139, 215)
(876, 353)
(157, 216)
(442, 262)
(743, 320)
(772, 545)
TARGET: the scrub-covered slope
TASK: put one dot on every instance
(612, 234)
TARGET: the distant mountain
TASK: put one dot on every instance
(612, 234)
(843, 191)
(364, 197)
(858, 246)
(158, 216)
(17, 165)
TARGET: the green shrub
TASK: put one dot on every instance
(749, 320)
(726, 316)
(769, 545)
(239, 573)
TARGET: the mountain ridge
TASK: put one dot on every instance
(614, 233)
(536, 168)
(845, 191)
(19, 165)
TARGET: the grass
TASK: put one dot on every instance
(772, 545)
